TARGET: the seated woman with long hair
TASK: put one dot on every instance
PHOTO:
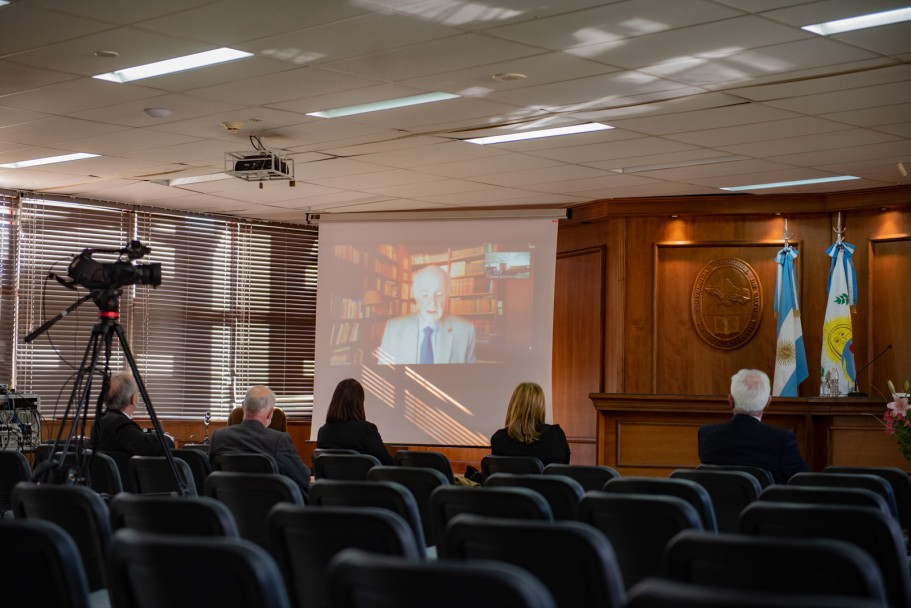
(525, 433)
(347, 426)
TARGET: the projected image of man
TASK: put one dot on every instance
(430, 335)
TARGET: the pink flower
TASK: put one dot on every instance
(899, 405)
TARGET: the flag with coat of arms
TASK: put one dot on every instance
(790, 354)
(837, 335)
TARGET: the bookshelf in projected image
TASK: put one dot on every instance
(381, 288)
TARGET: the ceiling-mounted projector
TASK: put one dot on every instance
(259, 166)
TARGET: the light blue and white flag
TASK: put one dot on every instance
(790, 355)
(837, 335)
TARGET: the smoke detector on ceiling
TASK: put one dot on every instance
(232, 126)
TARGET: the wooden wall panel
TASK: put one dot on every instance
(889, 302)
(578, 347)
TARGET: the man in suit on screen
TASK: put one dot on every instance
(431, 335)
(744, 439)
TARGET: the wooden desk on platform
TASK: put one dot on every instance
(655, 434)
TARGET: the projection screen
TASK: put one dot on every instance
(485, 287)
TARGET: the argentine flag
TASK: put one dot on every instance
(790, 355)
(837, 335)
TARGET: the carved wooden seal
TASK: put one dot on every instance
(726, 303)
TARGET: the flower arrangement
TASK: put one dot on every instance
(897, 419)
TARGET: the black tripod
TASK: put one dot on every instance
(56, 469)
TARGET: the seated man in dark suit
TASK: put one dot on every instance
(254, 435)
(115, 431)
(744, 439)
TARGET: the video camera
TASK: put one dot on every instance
(110, 275)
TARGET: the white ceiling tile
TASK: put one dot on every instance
(529, 178)
(117, 12)
(448, 152)
(813, 142)
(480, 15)
(872, 116)
(12, 116)
(896, 150)
(56, 129)
(696, 120)
(27, 27)
(76, 95)
(488, 165)
(764, 131)
(853, 99)
(119, 142)
(617, 149)
(182, 107)
(15, 78)
(875, 75)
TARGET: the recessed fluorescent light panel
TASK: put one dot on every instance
(800, 182)
(3, 2)
(390, 104)
(47, 161)
(858, 23)
(198, 179)
(499, 139)
(178, 64)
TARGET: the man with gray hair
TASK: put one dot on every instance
(115, 431)
(254, 435)
(744, 439)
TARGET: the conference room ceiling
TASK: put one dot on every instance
(701, 95)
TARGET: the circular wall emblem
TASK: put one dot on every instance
(726, 303)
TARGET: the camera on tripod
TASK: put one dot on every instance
(92, 274)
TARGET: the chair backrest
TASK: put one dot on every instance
(730, 490)
(199, 463)
(320, 451)
(638, 527)
(154, 475)
(360, 580)
(179, 515)
(690, 491)
(857, 497)
(763, 476)
(122, 460)
(154, 570)
(877, 534)
(303, 540)
(50, 572)
(351, 467)
(279, 419)
(82, 514)
(249, 497)
(519, 503)
(897, 478)
(13, 468)
(874, 483)
(740, 561)
(580, 568)
(427, 460)
(561, 493)
(389, 495)
(663, 593)
(245, 462)
(589, 476)
(517, 465)
(102, 473)
(421, 482)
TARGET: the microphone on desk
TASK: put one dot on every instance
(855, 393)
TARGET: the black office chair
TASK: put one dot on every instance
(427, 460)
(730, 490)
(763, 476)
(199, 463)
(80, 512)
(320, 451)
(249, 497)
(389, 495)
(518, 503)
(155, 570)
(897, 478)
(517, 465)
(245, 462)
(874, 483)
(100, 470)
(581, 568)
(360, 580)
(561, 493)
(154, 475)
(303, 540)
(877, 534)
(690, 491)
(13, 468)
(769, 565)
(50, 571)
(590, 477)
(348, 467)
(639, 527)
(122, 460)
(177, 515)
(821, 495)
(421, 482)
(663, 593)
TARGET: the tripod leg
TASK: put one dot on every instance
(182, 484)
